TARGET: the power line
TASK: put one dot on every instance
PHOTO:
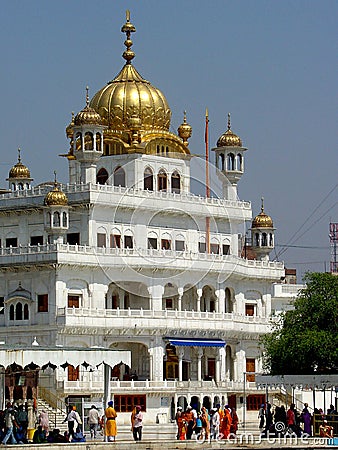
(292, 240)
(302, 246)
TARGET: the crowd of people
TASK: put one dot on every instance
(217, 423)
(279, 421)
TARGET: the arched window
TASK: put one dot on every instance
(64, 220)
(25, 312)
(162, 181)
(11, 312)
(222, 161)
(270, 240)
(257, 239)
(56, 219)
(148, 180)
(98, 142)
(49, 219)
(18, 311)
(119, 177)
(264, 240)
(102, 176)
(231, 161)
(176, 182)
(89, 141)
(20, 186)
(239, 161)
(78, 140)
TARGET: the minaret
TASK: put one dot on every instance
(262, 235)
(19, 177)
(229, 161)
(88, 141)
(56, 214)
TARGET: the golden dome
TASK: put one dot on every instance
(262, 220)
(56, 197)
(19, 170)
(229, 138)
(69, 128)
(88, 115)
(129, 94)
(184, 130)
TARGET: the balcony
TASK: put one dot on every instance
(132, 198)
(139, 258)
(166, 386)
(197, 322)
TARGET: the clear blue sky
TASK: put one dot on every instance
(272, 64)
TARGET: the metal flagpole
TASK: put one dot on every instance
(207, 185)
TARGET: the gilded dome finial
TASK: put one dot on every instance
(56, 197)
(19, 154)
(229, 138)
(128, 28)
(87, 96)
(184, 130)
(262, 220)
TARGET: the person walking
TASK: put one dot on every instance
(10, 423)
(138, 424)
(93, 421)
(44, 421)
(261, 416)
(306, 418)
(71, 421)
(110, 428)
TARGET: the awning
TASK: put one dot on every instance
(185, 342)
(59, 356)
(297, 381)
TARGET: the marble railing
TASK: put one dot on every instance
(135, 252)
(74, 188)
(163, 314)
(155, 386)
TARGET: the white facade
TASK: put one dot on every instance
(129, 269)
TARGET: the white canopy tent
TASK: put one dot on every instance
(63, 356)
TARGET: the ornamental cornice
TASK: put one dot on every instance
(33, 267)
(20, 211)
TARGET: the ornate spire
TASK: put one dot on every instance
(184, 130)
(87, 96)
(262, 204)
(229, 121)
(128, 28)
(19, 154)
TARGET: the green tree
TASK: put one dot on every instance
(305, 339)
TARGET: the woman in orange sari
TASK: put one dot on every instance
(226, 424)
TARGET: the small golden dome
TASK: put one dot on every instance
(56, 197)
(19, 170)
(262, 220)
(129, 94)
(229, 138)
(69, 128)
(184, 130)
(88, 115)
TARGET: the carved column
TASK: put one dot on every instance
(222, 358)
(180, 363)
(220, 304)
(199, 295)
(156, 355)
(199, 363)
(180, 295)
(156, 293)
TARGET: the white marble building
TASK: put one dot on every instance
(124, 256)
